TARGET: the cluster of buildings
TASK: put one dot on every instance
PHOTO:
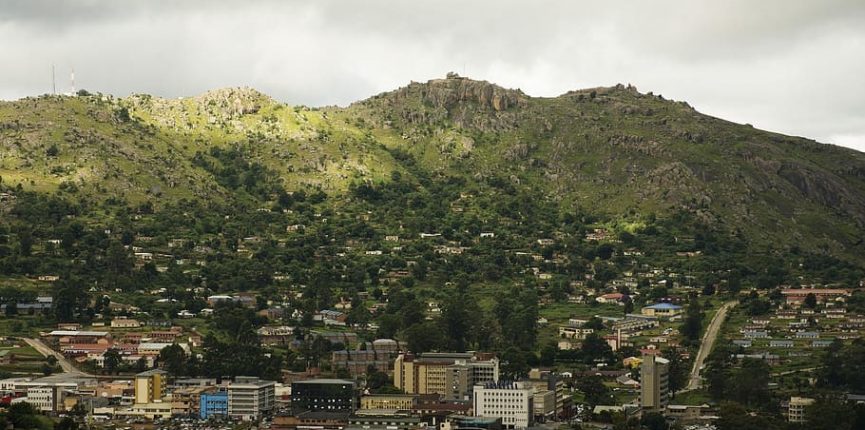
(147, 395)
(128, 337)
(445, 390)
(795, 331)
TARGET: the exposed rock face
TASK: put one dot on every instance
(469, 104)
(825, 189)
(449, 92)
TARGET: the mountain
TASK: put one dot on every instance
(609, 151)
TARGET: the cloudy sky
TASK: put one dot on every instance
(792, 66)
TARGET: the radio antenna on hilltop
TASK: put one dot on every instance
(72, 79)
(53, 81)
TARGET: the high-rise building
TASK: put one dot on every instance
(654, 383)
(328, 395)
(513, 402)
(250, 398)
(149, 386)
(451, 375)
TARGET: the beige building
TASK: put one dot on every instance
(186, 401)
(453, 375)
(388, 401)
(654, 383)
(544, 404)
(150, 386)
(125, 323)
(151, 411)
(796, 410)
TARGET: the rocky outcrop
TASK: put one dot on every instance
(825, 189)
(449, 92)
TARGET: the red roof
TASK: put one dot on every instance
(815, 291)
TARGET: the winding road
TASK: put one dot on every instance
(65, 364)
(694, 381)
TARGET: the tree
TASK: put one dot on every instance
(810, 301)
(653, 421)
(111, 360)
(595, 392)
(678, 370)
(173, 359)
(734, 416)
(66, 423)
(831, 413)
(595, 349)
(423, 337)
(69, 299)
(458, 316)
(749, 384)
(692, 325)
(52, 151)
(11, 308)
(629, 304)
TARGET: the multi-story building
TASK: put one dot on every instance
(544, 380)
(654, 383)
(544, 405)
(513, 402)
(796, 410)
(149, 386)
(450, 374)
(250, 398)
(186, 401)
(46, 399)
(332, 395)
(213, 404)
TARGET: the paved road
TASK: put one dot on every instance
(694, 381)
(43, 349)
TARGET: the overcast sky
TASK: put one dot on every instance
(792, 66)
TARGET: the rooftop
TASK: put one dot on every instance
(664, 306)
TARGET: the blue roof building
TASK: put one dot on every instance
(662, 310)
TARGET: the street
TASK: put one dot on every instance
(694, 381)
(43, 349)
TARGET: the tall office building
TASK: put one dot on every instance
(654, 383)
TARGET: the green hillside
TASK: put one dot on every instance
(612, 153)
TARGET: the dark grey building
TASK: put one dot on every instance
(330, 395)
